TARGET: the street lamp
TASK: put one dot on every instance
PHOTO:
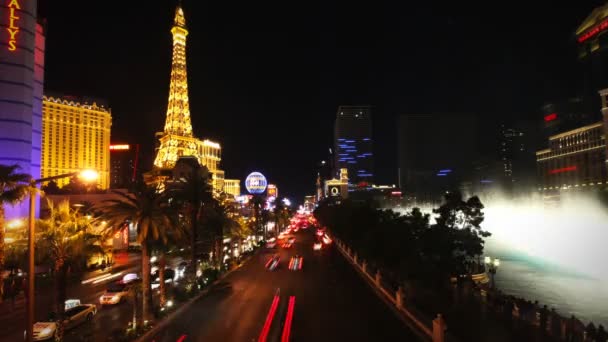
(491, 267)
(86, 176)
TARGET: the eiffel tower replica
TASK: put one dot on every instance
(177, 140)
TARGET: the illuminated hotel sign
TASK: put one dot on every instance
(550, 117)
(13, 29)
(119, 147)
(563, 169)
(594, 31)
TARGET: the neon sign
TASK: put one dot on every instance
(594, 31)
(12, 29)
(563, 169)
(550, 117)
(119, 147)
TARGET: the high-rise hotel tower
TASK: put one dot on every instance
(76, 136)
(353, 143)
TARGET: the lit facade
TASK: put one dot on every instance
(337, 188)
(575, 159)
(232, 187)
(124, 160)
(592, 42)
(22, 49)
(353, 142)
(177, 139)
(75, 136)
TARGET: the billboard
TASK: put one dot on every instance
(255, 183)
(272, 191)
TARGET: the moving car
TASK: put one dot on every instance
(317, 246)
(272, 243)
(291, 240)
(75, 315)
(286, 245)
(295, 264)
(115, 293)
(273, 262)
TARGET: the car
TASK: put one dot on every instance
(317, 246)
(169, 277)
(273, 262)
(291, 240)
(74, 316)
(286, 245)
(295, 264)
(115, 293)
(271, 243)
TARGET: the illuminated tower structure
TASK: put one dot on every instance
(177, 139)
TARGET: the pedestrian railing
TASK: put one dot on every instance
(435, 329)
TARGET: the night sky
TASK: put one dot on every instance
(265, 78)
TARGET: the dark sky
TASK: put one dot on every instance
(265, 78)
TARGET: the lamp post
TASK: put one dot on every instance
(491, 268)
(85, 175)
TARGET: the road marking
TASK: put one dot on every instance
(288, 319)
(269, 318)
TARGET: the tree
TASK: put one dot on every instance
(149, 211)
(218, 222)
(257, 205)
(193, 192)
(456, 237)
(14, 187)
(63, 241)
(281, 215)
(51, 188)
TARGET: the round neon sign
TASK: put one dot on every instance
(256, 183)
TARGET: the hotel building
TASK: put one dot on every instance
(575, 159)
(353, 143)
(22, 48)
(232, 187)
(75, 136)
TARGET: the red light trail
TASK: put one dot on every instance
(288, 319)
(269, 318)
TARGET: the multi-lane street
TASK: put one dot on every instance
(324, 300)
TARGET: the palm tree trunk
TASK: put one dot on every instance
(1, 251)
(161, 279)
(194, 223)
(60, 288)
(134, 319)
(145, 276)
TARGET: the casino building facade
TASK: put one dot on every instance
(22, 48)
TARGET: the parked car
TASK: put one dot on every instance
(74, 316)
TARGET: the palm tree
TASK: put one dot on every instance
(150, 212)
(281, 215)
(193, 192)
(257, 204)
(64, 241)
(13, 189)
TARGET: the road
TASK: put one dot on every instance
(107, 319)
(330, 303)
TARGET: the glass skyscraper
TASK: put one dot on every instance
(353, 143)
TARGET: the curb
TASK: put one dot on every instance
(169, 318)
